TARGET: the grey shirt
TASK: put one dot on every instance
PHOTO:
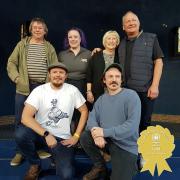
(77, 65)
(119, 116)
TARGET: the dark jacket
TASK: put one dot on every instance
(142, 65)
(17, 64)
(95, 71)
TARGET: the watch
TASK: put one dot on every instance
(46, 133)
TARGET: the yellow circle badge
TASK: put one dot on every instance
(156, 145)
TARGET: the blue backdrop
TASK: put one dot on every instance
(95, 17)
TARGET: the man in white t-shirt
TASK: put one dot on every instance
(47, 117)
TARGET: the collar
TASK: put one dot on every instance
(134, 38)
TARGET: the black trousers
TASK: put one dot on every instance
(124, 165)
(81, 85)
(147, 106)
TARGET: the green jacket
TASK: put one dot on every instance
(17, 64)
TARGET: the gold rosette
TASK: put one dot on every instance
(156, 145)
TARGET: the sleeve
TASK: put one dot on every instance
(131, 125)
(79, 99)
(157, 51)
(53, 55)
(89, 74)
(60, 57)
(93, 119)
(13, 63)
(34, 98)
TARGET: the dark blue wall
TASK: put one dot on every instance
(95, 17)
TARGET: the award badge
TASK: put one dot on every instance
(156, 145)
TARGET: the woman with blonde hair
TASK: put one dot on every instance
(98, 62)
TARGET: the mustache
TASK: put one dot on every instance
(114, 82)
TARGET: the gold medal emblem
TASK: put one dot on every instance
(156, 145)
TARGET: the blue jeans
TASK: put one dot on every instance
(19, 106)
(28, 140)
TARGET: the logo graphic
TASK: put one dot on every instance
(156, 145)
(83, 60)
(55, 114)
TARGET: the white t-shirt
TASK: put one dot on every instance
(55, 107)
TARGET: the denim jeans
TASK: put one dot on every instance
(28, 140)
(19, 106)
(124, 165)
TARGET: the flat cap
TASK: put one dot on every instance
(58, 65)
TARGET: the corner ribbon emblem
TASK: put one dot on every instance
(156, 145)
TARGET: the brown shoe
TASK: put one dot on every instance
(32, 173)
(106, 156)
(96, 173)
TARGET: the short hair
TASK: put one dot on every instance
(114, 65)
(111, 32)
(128, 12)
(83, 42)
(38, 20)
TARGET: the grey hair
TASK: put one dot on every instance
(39, 20)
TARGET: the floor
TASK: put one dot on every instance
(83, 163)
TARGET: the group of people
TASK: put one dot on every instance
(120, 82)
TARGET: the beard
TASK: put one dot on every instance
(57, 85)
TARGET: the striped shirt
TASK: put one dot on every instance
(37, 62)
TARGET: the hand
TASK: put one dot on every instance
(70, 142)
(90, 97)
(97, 132)
(95, 50)
(153, 92)
(51, 141)
(100, 142)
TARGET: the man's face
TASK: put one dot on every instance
(57, 77)
(112, 79)
(38, 30)
(131, 24)
(110, 42)
(74, 39)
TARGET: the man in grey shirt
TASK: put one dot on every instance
(113, 124)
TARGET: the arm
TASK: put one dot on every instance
(90, 96)
(13, 63)
(29, 121)
(83, 118)
(82, 121)
(93, 117)
(59, 56)
(95, 50)
(153, 90)
(53, 55)
(130, 125)
(89, 75)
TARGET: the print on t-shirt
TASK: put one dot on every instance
(55, 114)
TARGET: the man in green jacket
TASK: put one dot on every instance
(27, 68)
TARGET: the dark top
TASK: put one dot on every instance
(95, 71)
(76, 64)
(157, 53)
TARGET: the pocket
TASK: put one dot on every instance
(21, 85)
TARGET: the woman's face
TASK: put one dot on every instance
(110, 42)
(74, 39)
